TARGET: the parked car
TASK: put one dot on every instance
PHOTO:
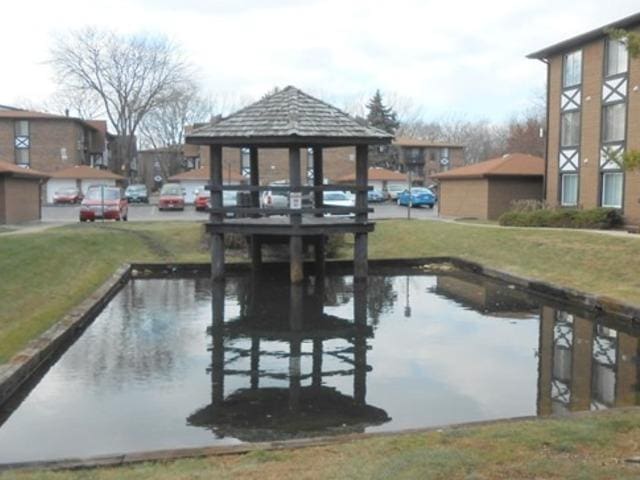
(418, 197)
(338, 199)
(68, 195)
(171, 197)
(202, 200)
(108, 203)
(274, 198)
(376, 196)
(137, 193)
(394, 190)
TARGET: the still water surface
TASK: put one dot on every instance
(176, 363)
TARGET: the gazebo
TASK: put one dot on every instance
(289, 119)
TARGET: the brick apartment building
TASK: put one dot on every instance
(427, 158)
(48, 142)
(593, 115)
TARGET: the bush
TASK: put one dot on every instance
(599, 218)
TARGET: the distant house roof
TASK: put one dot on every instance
(589, 36)
(286, 118)
(376, 174)
(416, 142)
(511, 164)
(13, 170)
(203, 174)
(86, 172)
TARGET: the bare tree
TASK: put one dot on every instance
(132, 75)
(77, 103)
(164, 127)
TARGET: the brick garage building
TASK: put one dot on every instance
(20, 190)
(486, 189)
(81, 177)
(593, 112)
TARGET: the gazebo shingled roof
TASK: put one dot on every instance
(286, 118)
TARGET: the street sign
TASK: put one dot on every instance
(295, 201)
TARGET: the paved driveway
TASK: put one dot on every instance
(150, 213)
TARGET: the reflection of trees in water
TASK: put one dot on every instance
(381, 297)
(138, 336)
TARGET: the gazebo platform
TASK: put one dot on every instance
(294, 120)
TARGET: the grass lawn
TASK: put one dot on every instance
(586, 448)
(42, 275)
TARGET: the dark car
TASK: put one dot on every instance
(107, 203)
(137, 193)
(67, 195)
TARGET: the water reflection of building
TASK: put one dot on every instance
(273, 314)
(484, 296)
(586, 364)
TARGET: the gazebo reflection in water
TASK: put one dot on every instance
(276, 318)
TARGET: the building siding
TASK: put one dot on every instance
(589, 188)
(504, 191)
(464, 198)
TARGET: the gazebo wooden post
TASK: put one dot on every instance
(318, 177)
(254, 180)
(360, 243)
(318, 198)
(295, 243)
(217, 239)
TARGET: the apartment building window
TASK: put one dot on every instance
(570, 129)
(569, 189)
(617, 58)
(612, 187)
(572, 74)
(614, 122)
(22, 142)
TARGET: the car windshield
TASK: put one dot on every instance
(109, 194)
(171, 190)
(421, 191)
(136, 188)
(335, 196)
(396, 188)
(68, 191)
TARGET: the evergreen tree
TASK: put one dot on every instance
(381, 116)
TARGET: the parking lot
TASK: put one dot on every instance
(150, 213)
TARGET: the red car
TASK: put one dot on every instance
(108, 203)
(67, 195)
(171, 197)
(202, 201)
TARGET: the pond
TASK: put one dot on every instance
(173, 363)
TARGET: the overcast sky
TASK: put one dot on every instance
(462, 57)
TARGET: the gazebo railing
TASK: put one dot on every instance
(287, 188)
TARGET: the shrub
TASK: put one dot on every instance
(600, 218)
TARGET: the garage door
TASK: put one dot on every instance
(56, 184)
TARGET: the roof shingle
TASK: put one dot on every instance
(85, 172)
(288, 116)
(511, 164)
(14, 170)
